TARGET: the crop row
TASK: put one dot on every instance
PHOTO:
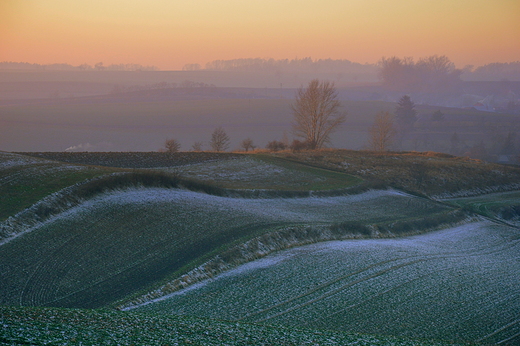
(449, 284)
(123, 241)
(45, 326)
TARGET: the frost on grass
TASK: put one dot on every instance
(450, 284)
(247, 172)
(46, 326)
(8, 160)
(139, 230)
(317, 212)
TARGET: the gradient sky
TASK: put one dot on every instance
(171, 33)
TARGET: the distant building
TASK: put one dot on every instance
(485, 104)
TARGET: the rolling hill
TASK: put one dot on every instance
(105, 230)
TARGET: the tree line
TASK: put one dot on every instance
(283, 65)
(316, 115)
(431, 74)
(83, 67)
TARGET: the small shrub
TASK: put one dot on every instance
(276, 146)
(297, 145)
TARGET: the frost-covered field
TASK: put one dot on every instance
(43, 326)
(120, 242)
(25, 180)
(461, 283)
(250, 172)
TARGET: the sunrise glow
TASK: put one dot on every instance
(169, 34)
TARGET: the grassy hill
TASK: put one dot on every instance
(95, 230)
(431, 174)
(449, 284)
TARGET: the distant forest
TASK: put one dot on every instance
(9, 65)
(508, 71)
(490, 72)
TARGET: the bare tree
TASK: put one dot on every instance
(172, 145)
(219, 140)
(248, 144)
(316, 113)
(197, 146)
(382, 132)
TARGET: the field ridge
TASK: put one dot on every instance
(71, 196)
(289, 237)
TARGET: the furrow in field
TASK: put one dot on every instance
(316, 289)
(487, 249)
(141, 235)
(375, 296)
(449, 284)
(499, 330)
(337, 290)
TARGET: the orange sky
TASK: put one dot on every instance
(171, 33)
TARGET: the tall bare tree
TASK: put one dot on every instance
(316, 113)
(219, 140)
(382, 132)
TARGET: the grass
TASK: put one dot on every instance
(264, 172)
(23, 184)
(20, 326)
(134, 159)
(451, 284)
(126, 241)
(110, 239)
(429, 174)
(504, 206)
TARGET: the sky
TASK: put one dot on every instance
(171, 33)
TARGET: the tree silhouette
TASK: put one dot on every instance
(316, 113)
(405, 112)
(197, 146)
(382, 132)
(219, 140)
(248, 144)
(172, 145)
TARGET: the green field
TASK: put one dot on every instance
(504, 206)
(449, 284)
(45, 326)
(180, 233)
(24, 180)
(266, 173)
(160, 232)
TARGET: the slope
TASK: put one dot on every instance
(451, 284)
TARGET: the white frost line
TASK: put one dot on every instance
(262, 263)
(12, 160)
(281, 208)
(417, 241)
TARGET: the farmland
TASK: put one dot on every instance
(504, 206)
(409, 286)
(158, 232)
(25, 180)
(247, 237)
(104, 327)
